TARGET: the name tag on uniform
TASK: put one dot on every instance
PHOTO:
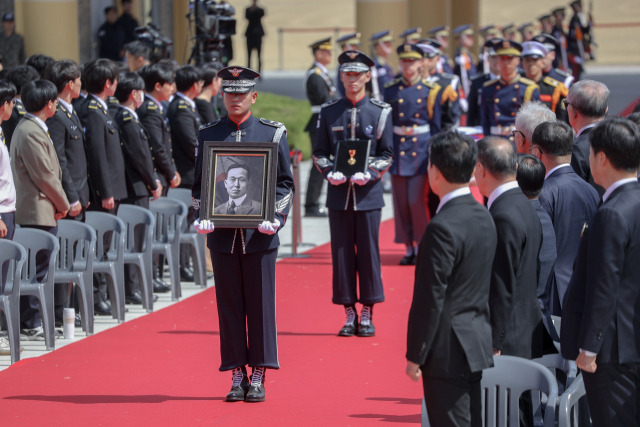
(337, 128)
(74, 127)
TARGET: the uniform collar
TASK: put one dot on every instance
(135, 116)
(244, 124)
(186, 98)
(322, 67)
(66, 107)
(103, 103)
(158, 103)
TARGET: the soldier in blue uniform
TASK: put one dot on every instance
(441, 35)
(552, 91)
(355, 202)
(549, 60)
(416, 108)
(579, 39)
(559, 34)
(465, 67)
(381, 49)
(411, 35)
(477, 83)
(320, 89)
(349, 41)
(244, 259)
(503, 97)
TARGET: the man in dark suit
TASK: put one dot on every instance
(587, 104)
(236, 182)
(568, 199)
(515, 314)
(602, 310)
(449, 335)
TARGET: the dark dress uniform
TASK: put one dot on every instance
(206, 111)
(475, 98)
(552, 92)
(184, 122)
(10, 125)
(244, 260)
(67, 135)
(502, 100)
(157, 127)
(354, 210)
(416, 115)
(450, 99)
(320, 89)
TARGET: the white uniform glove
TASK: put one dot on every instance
(204, 226)
(269, 227)
(360, 178)
(336, 178)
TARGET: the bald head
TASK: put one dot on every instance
(498, 156)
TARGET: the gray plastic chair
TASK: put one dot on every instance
(568, 400)
(12, 258)
(504, 384)
(75, 264)
(192, 238)
(111, 233)
(170, 214)
(135, 216)
(35, 241)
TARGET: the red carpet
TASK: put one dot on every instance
(162, 369)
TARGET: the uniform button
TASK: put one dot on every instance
(401, 114)
(497, 114)
(400, 101)
(600, 335)
(414, 139)
(402, 139)
(497, 87)
(402, 153)
(516, 86)
(513, 114)
(414, 154)
(401, 87)
(417, 115)
(514, 99)
(415, 126)
(419, 101)
(496, 100)
(419, 87)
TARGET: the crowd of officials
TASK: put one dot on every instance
(556, 235)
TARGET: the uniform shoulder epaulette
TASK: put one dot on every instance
(491, 82)
(561, 72)
(478, 77)
(271, 123)
(209, 125)
(152, 105)
(329, 103)
(527, 81)
(379, 103)
(381, 61)
(182, 104)
(448, 75)
(93, 104)
(430, 84)
(393, 82)
(551, 81)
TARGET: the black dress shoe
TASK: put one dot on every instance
(134, 298)
(408, 260)
(316, 212)
(78, 321)
(102, 308)
(366, 330)
(349, 329)
(160, 287)
(256, 389)
(239, 386)
(186, 274)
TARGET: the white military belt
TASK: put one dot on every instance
(502, 130)
(411, 130)
(316, 109)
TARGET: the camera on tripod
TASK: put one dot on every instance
(214, 26)
(159, 46)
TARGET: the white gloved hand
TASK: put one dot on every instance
(204, 226)
(360, 178)
(269, 227)
(336, 178)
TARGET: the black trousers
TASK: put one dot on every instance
(254, 43)
(454, 402)
(246, 300)
(356, 256)
(612, 393)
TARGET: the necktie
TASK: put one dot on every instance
(232, 208)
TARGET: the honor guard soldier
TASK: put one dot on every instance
(449, 84)
(487, 33)
(382, 48)
(552, 91)
(320, 89)
(441, 35)
(552, 45)
(411, 35)
(244, 259)
(492, 61)
(355, 202)
(349, 41)
(503, 97)
(465, 66)
(561, 36)
(19, 76)
(578, 39)
(526, 31)
(509, 32)
(416, 114)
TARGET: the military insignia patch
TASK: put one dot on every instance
(352, 55)
(368, 130)
(235, 72)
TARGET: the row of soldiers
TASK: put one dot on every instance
(120, 137)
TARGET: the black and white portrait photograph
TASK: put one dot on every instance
(238, 189)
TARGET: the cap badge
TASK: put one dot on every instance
(352, 55)
(407, 48)
(235, 72)
(506, 44)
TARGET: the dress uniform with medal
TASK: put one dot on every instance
(416, 115)
(355, 202)
(503, 97)
(244, 259)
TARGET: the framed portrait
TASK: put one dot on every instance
(239, 183)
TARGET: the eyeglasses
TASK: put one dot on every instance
(535, 147)
(566, 103)
(515, 132)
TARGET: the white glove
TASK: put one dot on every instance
(336, 178)
(360, 178)
(269, 227)
(204, 226)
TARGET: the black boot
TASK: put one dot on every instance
(351, 325)
(256, 390)
(239, 385)
(366, 328)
